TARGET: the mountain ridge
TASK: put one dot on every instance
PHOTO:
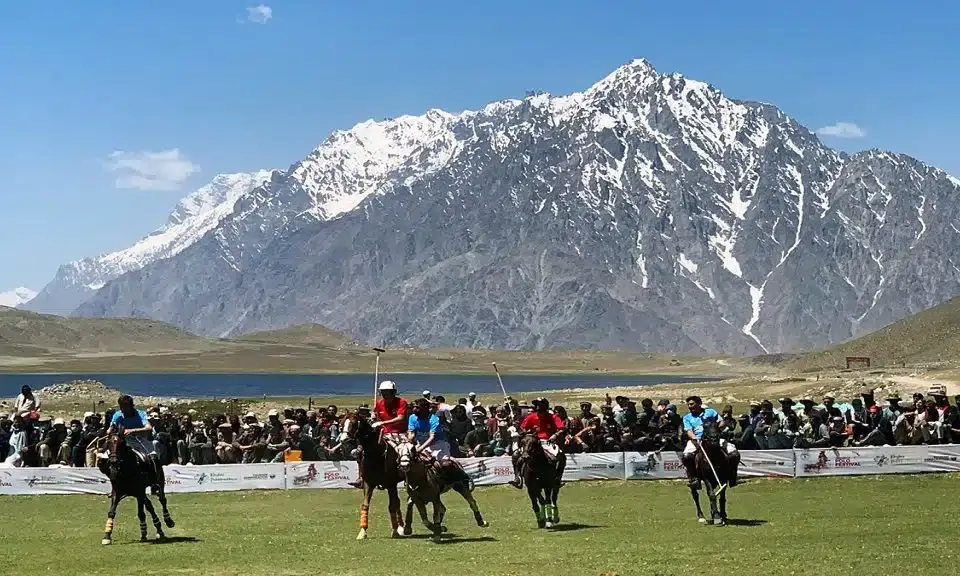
(649, 212)
(193, 217)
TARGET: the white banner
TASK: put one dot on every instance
(603, 466)
(859, 461)
(321, 474)
(943, 458)
(223, 477)
(779, 463)
(488, 471)
(53, 481)
(653, 466)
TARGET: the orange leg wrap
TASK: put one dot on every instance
(109, 526)
(364, 520)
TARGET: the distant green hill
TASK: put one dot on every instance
(930, 336)
(302, 335)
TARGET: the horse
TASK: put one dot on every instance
(715, 471)
(379, 470)
(130, 476)
(543, 478)
(425, 484)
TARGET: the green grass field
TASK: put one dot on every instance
(822, 526)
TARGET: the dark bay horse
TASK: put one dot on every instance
(542, 478)
(379, 470)
(130, 477)
(715, 471)
(425, 485)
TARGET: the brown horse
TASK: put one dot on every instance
(129, 476)
(425, 484)
(378, 467)
(715, 469)
(542, 478)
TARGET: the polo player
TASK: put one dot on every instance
(548, 427)
(391, 412)
(693, 429)
(137, 432)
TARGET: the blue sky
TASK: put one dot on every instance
(84, 80)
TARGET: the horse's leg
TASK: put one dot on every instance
(421, 509)
(534, 493)
(111, 514)
(723, 506)
(153, 514)
(711, 493)
(396, 517)
(162, 496)
(438, 511)
(464, 491)
(142, 516)
(408, 520)
(365, 511)
(695, 493)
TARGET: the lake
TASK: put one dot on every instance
(255, 385)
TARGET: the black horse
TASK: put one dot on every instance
(716, 470)
(425, 485)
(378, 468)
(130, 477)
(542, 477)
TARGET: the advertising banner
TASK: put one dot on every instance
(53, 481)
(224, 477)
(652, 466)
(323, 474)
(594, 467)
(873, 460)
(943, 458)
(488, 471)
(778, 463)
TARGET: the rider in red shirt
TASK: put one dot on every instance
(391, 413)
(391, 410)
(547, 426)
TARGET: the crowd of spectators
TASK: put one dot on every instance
(28, 438)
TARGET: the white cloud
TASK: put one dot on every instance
(842, 130)
(259, 14)
(164, 170)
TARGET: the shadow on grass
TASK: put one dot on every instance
(745, 522)
(573, 527)
(454, 539)
(174, 540)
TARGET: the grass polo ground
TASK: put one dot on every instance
(895, 524)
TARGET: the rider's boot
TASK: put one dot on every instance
(517, 481)
(690, 463)
(733, 466)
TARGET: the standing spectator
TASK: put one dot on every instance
(473, 402)
(26, 402)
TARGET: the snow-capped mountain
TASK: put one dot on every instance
(16, 297)
(648, 212)
(193, 217)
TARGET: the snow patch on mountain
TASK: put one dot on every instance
(17, 297)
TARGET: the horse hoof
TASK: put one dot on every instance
(701, 520)
(398, 533)
(549, 524)
(144, 539)
(407, 530)
(169, 522)
(718, 522)
(484, 524)
(362, 535)
(106, 541)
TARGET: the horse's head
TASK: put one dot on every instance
(711, 433)
(405, 456)
(529, 446)
(113, 446)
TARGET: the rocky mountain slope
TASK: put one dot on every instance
(649, 212)
(193, 217)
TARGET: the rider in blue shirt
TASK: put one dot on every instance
(137, 432)
(693, 430)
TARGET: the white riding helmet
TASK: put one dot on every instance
(388, 385)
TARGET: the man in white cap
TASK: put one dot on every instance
(472, 402)
(391, 413)
(51, 444)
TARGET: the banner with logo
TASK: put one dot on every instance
(53, 481)
(943, 458)
(224, 477)
(322, 474)
(488, 471)
(859, 461)
(603, 466)
(778, 463)
(652, 466)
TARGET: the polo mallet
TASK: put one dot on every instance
(723, 486)
(376, 374)
(499, 379)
